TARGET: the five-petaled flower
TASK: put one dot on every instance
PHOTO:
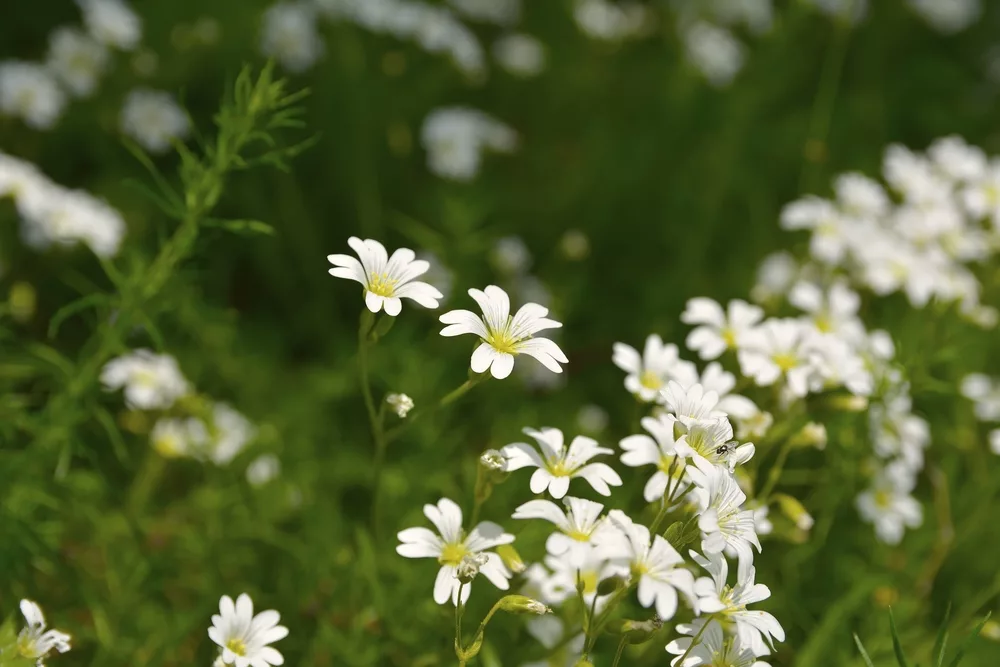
(386, 279)
(557, 464)
(242, 637)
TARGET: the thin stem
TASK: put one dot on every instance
(459, 610)
(618, 655)
(775, 472)
(694, 640)
(445, 401)
(603, 618)
(374, 416)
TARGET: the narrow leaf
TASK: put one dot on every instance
(864, 653)
(114, 435)
(242, 226)
(942, 639)
(967, 642)
(896, 647)
(89, 301)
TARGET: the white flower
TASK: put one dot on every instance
(30, 91)
(579, 527)
(753, 628)
(948, 16)
(659, 450)
(778, 349)
(600, 19)
(76, 59)
(387, 280)
(503, 336)
(151, 381)
(173, 438)
(112, 22)
(958, 160)
(711, 441)
(718, 331)
(519, 54)
(154, 119)
(550, 633)
(648, 374)
(34, 641)
(263, 469)
(985, 393)
(691, 404)
(657, 565)
(860, 196)
(889, 506)
(995, 441)
(714, 52)
(722, 521)
(290, 35)
(722, 382)
(714, 649)
(592, 418)
(456, 137)
(401, 404)
(557, 464)
(834, 310)
(774, 276)
(896, 431)
(452, 546)
(231, 430)
(242, 637)
(55, 215)
(500, 12)
(510, 255)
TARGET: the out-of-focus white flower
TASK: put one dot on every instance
(500, 12)
(401, 404)
(244, 638)
(778, 349)
(31, 92)
(716, 330)
(18, 176)
(290, 35)
(714, 648)
(230, 432)
(575, 244)
(714, 52)
(833, 310)
(451, 545)
(112, 22)
(151, 381)
(76, 59)
(504, 336)
(55, 215)
(510, 255)
(853, 10)
(580, 526)
(387, 280)
(890, 507)
(456, 137)
(600, 19)
(549, 631)
(649, 373)
(995, 441)
(174, 438)
(948, 16)
(656, 564)
(958, 160)
(774, 276)
(592, 418)
(558, 464)
(521, 55)
(154, 119)
(985, 393)
(263, 469)
(34, 641)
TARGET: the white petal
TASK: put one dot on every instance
(463, 322)
(393, 306)
(423, 293)
(540, 480)
(373, 301)
(447, 517)
(445, 583)
(483, 357)
(558, 486)
(503, 364)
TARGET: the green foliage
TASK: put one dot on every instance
(940, 644)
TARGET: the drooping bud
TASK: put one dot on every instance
(812, 434)
(23, 301)
(522, 604)
(635, 632)
(848, 403)
(511, 558)
(468, 568)
(794, 510)
(492, 470)
(401, 404)
(612, 584)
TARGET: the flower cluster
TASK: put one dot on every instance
(54, 215)
(456, 138)
(187, 425)
(37, 92)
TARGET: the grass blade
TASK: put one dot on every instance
(896, 647)
(968, 641)
(864, 653)
(941, 643)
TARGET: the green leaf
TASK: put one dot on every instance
(241, 226)
(72, 308)
(896, 647)
(114, 435)
(864, 653)
(942, 639)
(967, 642)
(828, 633)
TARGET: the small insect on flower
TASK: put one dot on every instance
(504, 336)
(386, 279)
(242, 637)
(34, 641)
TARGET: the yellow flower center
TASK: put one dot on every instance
(144, 378)
(883, 499)
(823, 322)
(502, 341)
(168, 445)
(729, 337)
(237, 646)
(650, 380)
(589, 580)
(381, 284)
(452, 554)
(26, 647)
(993, 195)
(786, 361)
(578, 535)
(664, 466)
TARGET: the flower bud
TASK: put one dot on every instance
(401, 404)
(612, 585)
(23, 301)
(794, 510)
(635, 632)
(508, 554)
(848, 403)
(991, 630)
(583, 662)
(469, 567)
(522, 604)
(492, 470)
(812, 434)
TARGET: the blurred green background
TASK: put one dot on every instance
(676, 185)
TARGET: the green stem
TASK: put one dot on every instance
(445, 401)
(694, 640)
(774, 474)
(374, 416)
(459, 611)
(145, 481)
(618, 654)
(603, 618)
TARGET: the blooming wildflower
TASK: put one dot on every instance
(775, 276)
(592, 418)
(860, 196)
(600, 19)
(649, 373)
(151, 381)
(985, 393)
(468, 568)
(834, 310)
(557, 464)
(401, 404)
(242, 637)
(890, 507)
(691, 404)
(568, 573)
(112, 22)
(387, 280)
(452, 546)
(263, 469)
(729, 605)
(290, 35)
(456, 137)
(995, 441)
(30, 91)
(896, 431)
(173, 438)
(714, 52)
(721, 520)
(948, 16)
(657, 565)
(778, 348)
(832, 231)
(722, 382)
(519, 54)
(55, 215)
(711, 440)
(717, 331)
(659, 450)
(714, 649)
(17, 175)
(231, 430)
(981, 197)
(579, 526)
(154, 119)
(500, 12)
(510, 255)
(76, 59)
(550, 633)
(755, 426)
(34, 641)
(503, 336)
(958, 160)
